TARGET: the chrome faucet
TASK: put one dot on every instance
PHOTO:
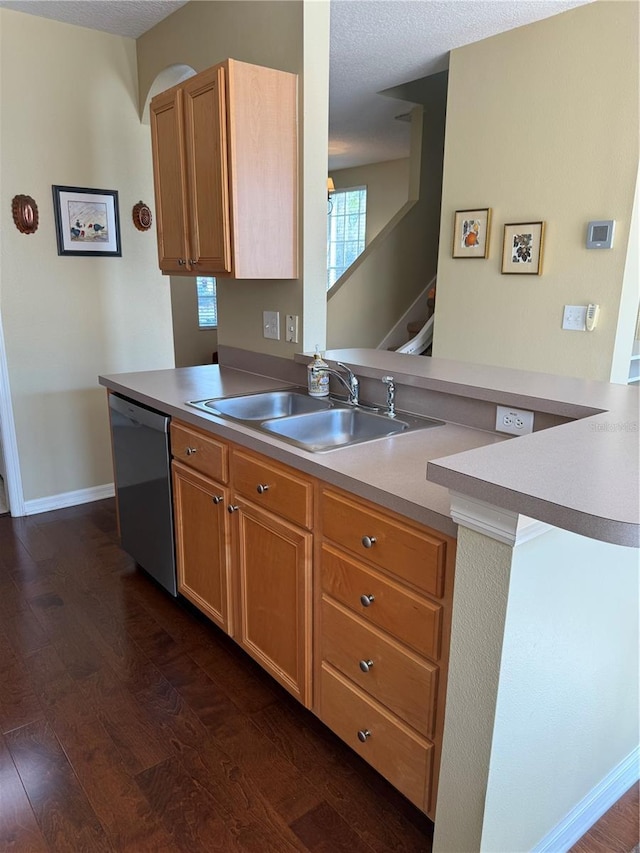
(391, 396)
(351, 382)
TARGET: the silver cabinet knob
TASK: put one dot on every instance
(365, 665)
(232, 508)
(217, 499)
(368, 541)
(191, 450)
(181, 262)
(367, 600)
(262, 488)
(363, 734)
(193, 262)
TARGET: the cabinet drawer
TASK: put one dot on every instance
(401, 755)
(414, 620)
(200, 451)
(393, 675)
(272, 487)
(408, 552)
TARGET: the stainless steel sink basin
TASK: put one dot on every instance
(334, 428)
(264, 406)
(311, 423)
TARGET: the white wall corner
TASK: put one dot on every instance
(591, 808)
(500, 524)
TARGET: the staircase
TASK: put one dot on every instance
(421, 331)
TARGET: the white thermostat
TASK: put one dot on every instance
(600, 234)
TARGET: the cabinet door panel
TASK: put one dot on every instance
(274, 568)
(167, 135)
(202, 543)
(206, 140)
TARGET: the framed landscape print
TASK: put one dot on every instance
(471, 233)
(522, 248)
(87, 221)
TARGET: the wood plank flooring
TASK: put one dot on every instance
(129, 723)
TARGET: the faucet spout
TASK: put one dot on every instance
(350, 382)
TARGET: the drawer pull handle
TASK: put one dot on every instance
(365, 665)
(363, 734)
(232, 508)
(217, 499)
(191, 450)
(262, 488)
(367, 600)
(368, 541)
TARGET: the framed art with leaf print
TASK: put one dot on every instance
(87, 221)
(471, 233)
(522, 248)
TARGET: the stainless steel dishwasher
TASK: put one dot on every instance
(142, 468)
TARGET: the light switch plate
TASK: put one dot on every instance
(271, 325)
(574, 317)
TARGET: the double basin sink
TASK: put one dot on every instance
(312, 423)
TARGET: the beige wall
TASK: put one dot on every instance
(387, 190)
(401, 261)
(542, 124)
(542, 699)
(191, 344)
(70, 117)
(270, 33)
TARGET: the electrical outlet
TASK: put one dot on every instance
(513, 421)
(291, 326)
(271, 324)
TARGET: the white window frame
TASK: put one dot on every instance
(342, 252)
(202, 307)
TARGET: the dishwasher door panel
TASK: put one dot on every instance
(142, 463)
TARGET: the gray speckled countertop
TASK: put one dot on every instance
(581, 476)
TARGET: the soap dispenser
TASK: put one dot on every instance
(318, 376)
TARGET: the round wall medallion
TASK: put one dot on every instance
(142, 217)
(25, 214)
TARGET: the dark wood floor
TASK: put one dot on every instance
(128, 723)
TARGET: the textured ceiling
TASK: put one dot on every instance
(375, 45)
(129, 18)
(378, 44)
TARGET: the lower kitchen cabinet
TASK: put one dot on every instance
(202, 544)
(347, 605)
(273, 576)
(244, 550)
(382, 620)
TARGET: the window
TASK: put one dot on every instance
(207, 303)
(346, 225)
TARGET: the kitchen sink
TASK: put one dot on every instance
(314, 424)
(264, 406)
(334, 428)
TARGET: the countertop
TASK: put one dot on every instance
(581, 475)
(390, 471)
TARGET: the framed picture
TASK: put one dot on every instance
(87, 221)
(471, 233)
(522, 249)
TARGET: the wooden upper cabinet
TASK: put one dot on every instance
(225, 156)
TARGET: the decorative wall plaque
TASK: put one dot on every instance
(25, 214)
(142, 217)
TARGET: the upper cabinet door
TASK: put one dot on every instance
(225, 159)
(208, 180)
(167, 136)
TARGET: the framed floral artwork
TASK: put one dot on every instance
(471, 233)
(522, 248)
(87, 221)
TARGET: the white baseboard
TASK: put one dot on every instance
(65, 499)
(591, 808)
